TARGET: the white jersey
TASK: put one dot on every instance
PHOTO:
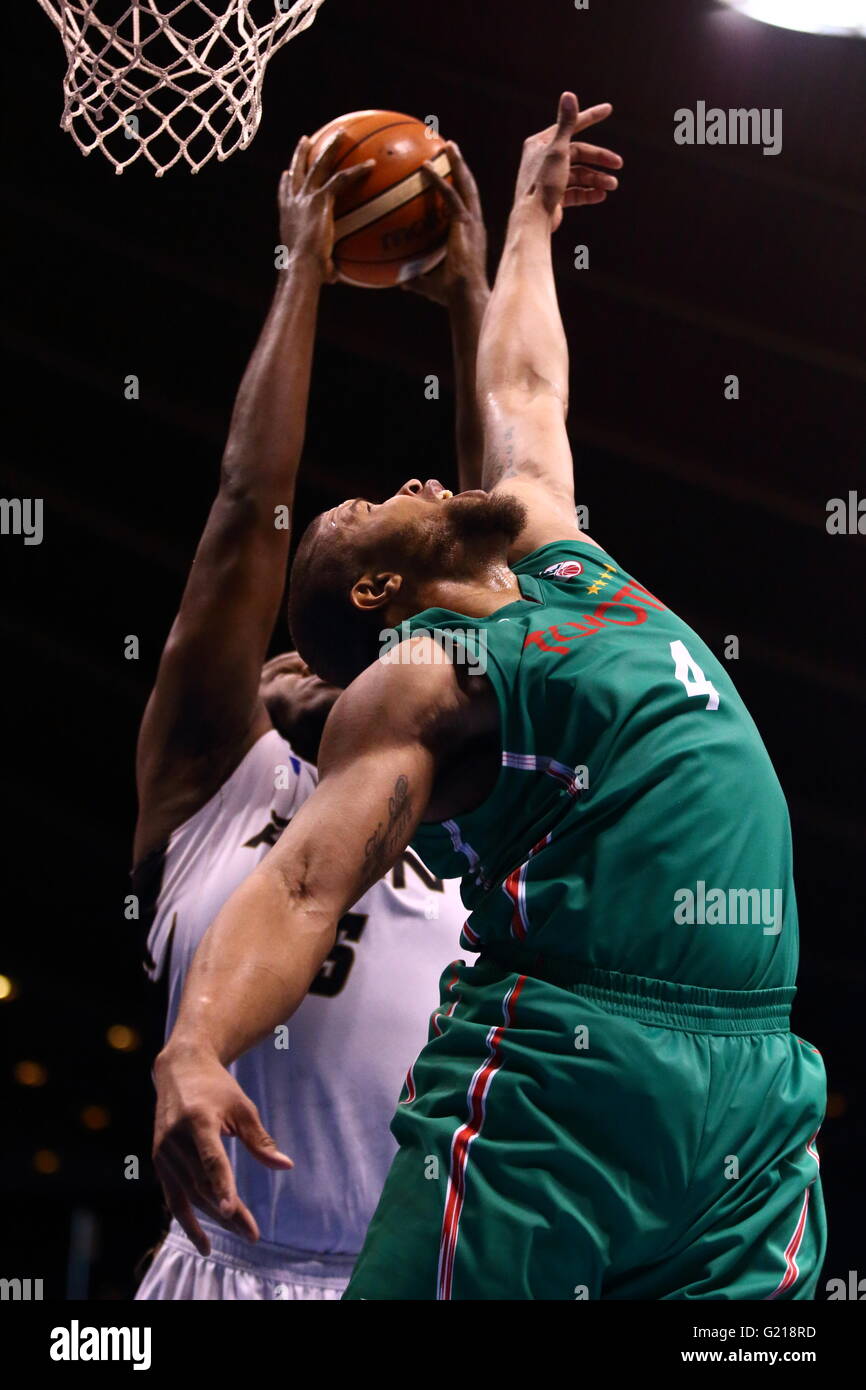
(327, 1084)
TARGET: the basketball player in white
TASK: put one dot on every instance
(225, 759)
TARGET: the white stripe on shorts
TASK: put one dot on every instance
(237, 1271)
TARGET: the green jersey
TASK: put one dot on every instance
(637, 823)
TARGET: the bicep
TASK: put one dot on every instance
(353, 828)
(377, 764)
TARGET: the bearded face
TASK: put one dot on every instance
(362, 559)
(433, 534)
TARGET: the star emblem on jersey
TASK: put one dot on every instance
(565, 569)
(604, 578)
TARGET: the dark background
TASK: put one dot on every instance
(708, 261)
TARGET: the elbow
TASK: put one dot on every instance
(235, 489)
(519, 391)
(242, 506)
(292, 878)
(302, 897)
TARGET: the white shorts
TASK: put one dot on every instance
(236, 1270)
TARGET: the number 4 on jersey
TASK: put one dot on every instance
(691, 675)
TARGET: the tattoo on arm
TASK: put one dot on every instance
(387, 839)
(500, 464)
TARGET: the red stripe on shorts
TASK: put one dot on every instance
(479, 1088)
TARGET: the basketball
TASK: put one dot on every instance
(393, 225)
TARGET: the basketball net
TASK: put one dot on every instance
(169, 81)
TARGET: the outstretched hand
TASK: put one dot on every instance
(306, 200)
(465, 261)
(198, 1102)
(556, 170)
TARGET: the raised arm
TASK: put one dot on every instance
(204, 711)
(256, 961)
(523, 354)
(460, 283)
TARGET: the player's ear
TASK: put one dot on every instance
(374, 591)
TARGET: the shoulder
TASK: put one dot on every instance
(418, 697)
(394, 696)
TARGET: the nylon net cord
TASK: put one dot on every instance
(169, 83)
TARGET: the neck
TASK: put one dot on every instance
(477, 595)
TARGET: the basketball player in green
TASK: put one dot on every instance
(611, 1103)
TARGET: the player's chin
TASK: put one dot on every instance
(472, 499)
(475, 514)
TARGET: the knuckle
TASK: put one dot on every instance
(192, 1117)
(211, 1161)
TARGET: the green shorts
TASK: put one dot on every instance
(610, 1137)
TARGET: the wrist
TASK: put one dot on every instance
(182, 1047)
(528, 218)
(528, 241)
(303, 263)
(468, 294)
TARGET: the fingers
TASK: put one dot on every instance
(464, 180)
(581, 153)
(591, 116)
(181, 1209)
(580, 177)
(567, 116)
(287, 663)
(195, 1170)
(298, 167)
(564, 126)
(196, 1158)
(448, 191)
(345, 178)
(215, 1180)
(570, 121)
(179, 1173)
(252, 1132)
(184, 1164)
(581, 197)
(323, 165)
(237, 1217)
